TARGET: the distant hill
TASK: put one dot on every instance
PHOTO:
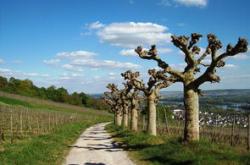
(179, 94)
(209, 93)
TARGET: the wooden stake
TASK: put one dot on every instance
(248, 145)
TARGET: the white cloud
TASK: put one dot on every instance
(131, 52)
(196, 3)
(179, 66)
(52, 61)
(65, 78)
(132, 34)
(72, 67)
(95, 25)
(110, 64)
(241, 56)
(166, 3)
(19, 74)
(76, 54)
(112, 74)
(128, 52)
(76, 60)
(4, 70)
(230, 66)
(188, 3)
(1, 61)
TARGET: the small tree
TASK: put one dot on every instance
(113, 99)
(194, 60)
(156, 82)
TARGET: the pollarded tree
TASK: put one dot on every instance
(125, 102)
(156, 82)
(113, 99)
(112, 104)
(191, 81)
(133, 97)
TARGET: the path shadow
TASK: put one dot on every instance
(94, 164)
(161, 160)
(110, 148)
(95, 138)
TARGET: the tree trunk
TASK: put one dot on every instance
(134, 119)
(118, 118)
(151, 116)
(125, 117)
(191, 103)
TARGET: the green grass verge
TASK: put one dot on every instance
(45, 149)
(149, 150)
(12, 101)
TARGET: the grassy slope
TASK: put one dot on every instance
(51, 148)
(148, 150)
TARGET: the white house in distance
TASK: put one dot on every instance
(178, 114)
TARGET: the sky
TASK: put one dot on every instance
(83, 45)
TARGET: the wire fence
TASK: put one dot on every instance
(18, 122)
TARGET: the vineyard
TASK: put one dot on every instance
(36, 131)
(235, 133)
(17, 122)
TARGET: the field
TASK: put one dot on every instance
(34, 131)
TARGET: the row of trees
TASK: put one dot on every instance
(195, 73)
(27, 88)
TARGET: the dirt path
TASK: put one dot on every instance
(95, 147)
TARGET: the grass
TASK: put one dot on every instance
(12, 101)
(50, 148)
(162, 150)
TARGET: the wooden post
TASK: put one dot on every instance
(248, 145)
(49, 122)
(232, 131)
(166, 120)
(21, 124)
(37, 124)
(11, 126)
(1, 126)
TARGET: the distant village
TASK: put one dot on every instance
(213, 119)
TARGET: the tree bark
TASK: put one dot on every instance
(125, 117)
(191, 103)
(118, 118)
(151, 116)
(134, 119)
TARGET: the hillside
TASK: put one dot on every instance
(36, 131)
(27, 88)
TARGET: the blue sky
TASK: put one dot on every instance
(83, 45)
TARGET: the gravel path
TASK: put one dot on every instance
(95, 147)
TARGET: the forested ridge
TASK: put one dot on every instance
(27, 88)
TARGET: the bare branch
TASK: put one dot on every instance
(152, 55)
(214, 45)
(195, 37)
(182, 43)
(240, 47)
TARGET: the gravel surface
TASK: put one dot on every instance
(96, 147)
